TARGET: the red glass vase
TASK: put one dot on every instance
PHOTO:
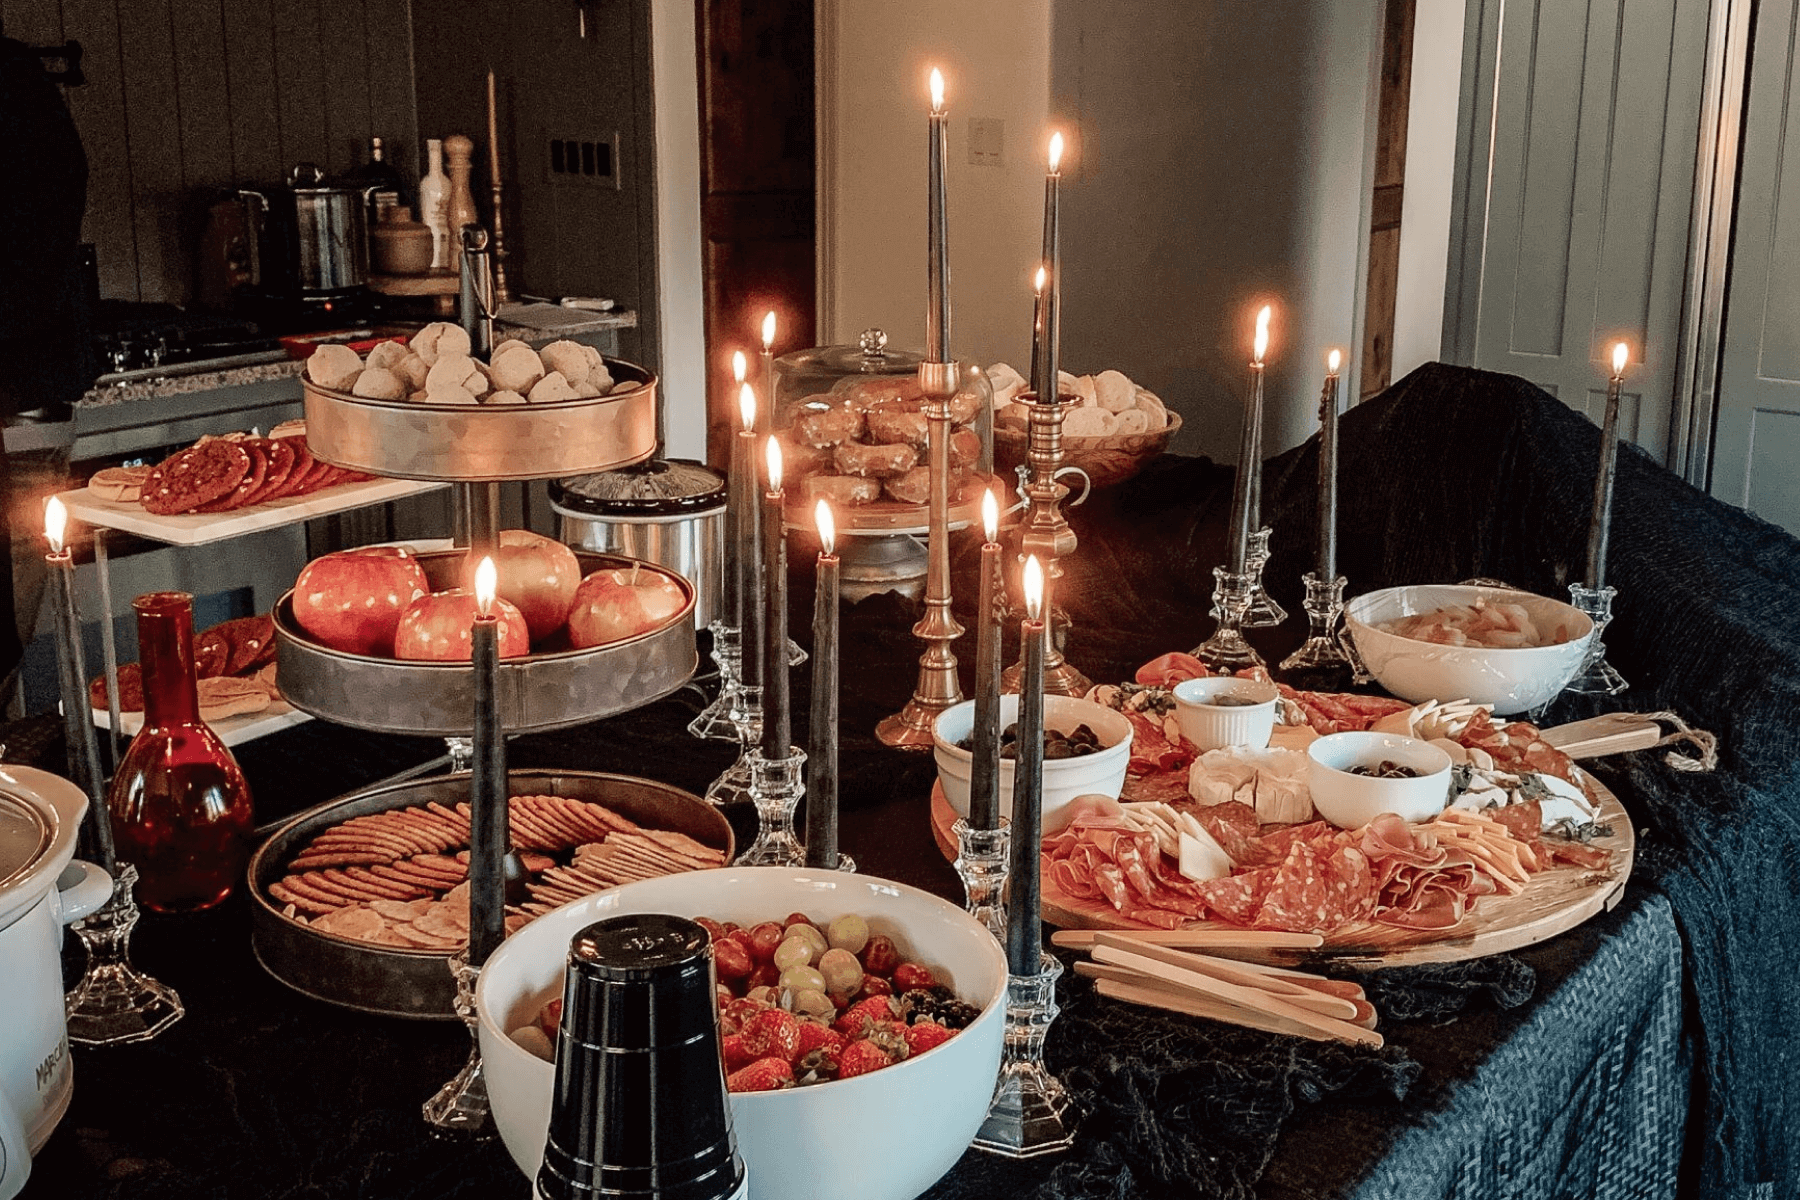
(180, 807)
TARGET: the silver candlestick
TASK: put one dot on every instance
(1029, 1114)
(981, 862)
(1327, 655)
(1226, 651)
(113, 1003)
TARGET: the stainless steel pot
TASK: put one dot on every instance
(667, 511)
(310, 237)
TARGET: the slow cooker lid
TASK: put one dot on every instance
(662, 487)
(25, 837)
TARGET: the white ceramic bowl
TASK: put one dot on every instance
(1064, 778)
(887, 1135)
(1352, 801)
(1213, 726)
(1512, 680)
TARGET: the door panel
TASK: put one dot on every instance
(1588, 180)
(1756, 447)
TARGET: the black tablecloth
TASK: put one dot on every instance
(259, 1092)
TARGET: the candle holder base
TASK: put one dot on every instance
(113, 1003)
(716, 722)
(461, 1105)
(1030, 1112)
(982, 862)
(733, 786)
(1226, 652)
(1327, 662)
(776, 785)
(1061, 677)
(1597, 677)
(911, 728)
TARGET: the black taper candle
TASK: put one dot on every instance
(743, 484)
(96, 842)
(1024, 929)
(1600, 519)
(777, 735)
(1049, 389)
(1328, 470)
(984, 757)
(822, 739)
(488, 797)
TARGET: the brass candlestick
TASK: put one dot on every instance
(501, 294)
(1046, 534)
(938, 687)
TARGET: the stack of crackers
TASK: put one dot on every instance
(221, 474)
(235, 664)
(399, 877)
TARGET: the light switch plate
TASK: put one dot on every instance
(987, 141)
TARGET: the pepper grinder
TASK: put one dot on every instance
(459, 203)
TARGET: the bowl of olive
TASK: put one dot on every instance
(1355, 777)
(1087, 747)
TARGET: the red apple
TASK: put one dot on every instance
(614, 604)
(435, 628)
(539, 575)
(352, 600)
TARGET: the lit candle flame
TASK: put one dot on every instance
(768, 331)
(990, 515)
(1043, 277)
(1621, 355)
(937, 92)
(826, 526)
(1262, 335)
(487, 582)
(1034, 589)
(774, 456)
(56, 519)
(1056, 148)
(747, 406)
(740, 366)
(1333, 361)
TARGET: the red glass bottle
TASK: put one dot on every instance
(180, 807)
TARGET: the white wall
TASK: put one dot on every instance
(1226, 152)
(873, 66)
(676, 86)
(1430, 173)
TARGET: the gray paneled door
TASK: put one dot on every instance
(1756, 446)
(1576, 176)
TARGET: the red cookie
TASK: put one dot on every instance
(238, 496)
(195, 476)
(281, 469)
(252, 643)
(212, 654)
(131, 690)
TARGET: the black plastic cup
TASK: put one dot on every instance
(640, 1107)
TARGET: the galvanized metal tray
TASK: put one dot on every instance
(548, 690)
(417, 983)
(478, 443)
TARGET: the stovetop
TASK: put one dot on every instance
(132, 336)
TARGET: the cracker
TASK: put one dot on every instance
(356, 923)
(287, 895)
(339, 858)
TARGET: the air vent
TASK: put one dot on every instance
(583, 161)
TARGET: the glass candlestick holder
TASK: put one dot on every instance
(715, 722)
(776, 785)
(1226, 651)
(1597, 677)
(1327, 658)
(733, 786)
(1029, 1114)
(461, 1105)
(981, 862)
(1263, 612)
(114, 1003)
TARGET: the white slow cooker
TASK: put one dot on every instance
(41, 890)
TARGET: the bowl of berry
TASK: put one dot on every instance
(860, 1024)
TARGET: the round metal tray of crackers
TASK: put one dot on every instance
(547, 689)
(361, 901)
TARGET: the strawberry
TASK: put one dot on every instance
(890, 1036)
(733, 1016)
(859, 1058)
(731, 1048)
(925, 1035)
(763, 1075)
(879, 956)
(857, 1018)
(773, 1033)
(813, 1036)
(875, 985)
(908, 976)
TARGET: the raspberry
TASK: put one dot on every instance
(859, 1058)
(925, 1035)
(731, 1048)
(763, 1075)
(773, 1033)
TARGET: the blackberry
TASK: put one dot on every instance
(937, 1003)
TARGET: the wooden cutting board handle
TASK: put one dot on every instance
(1612, 733)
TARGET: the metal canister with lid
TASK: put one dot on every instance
(666, 511)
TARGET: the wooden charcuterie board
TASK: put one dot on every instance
(1554, 902)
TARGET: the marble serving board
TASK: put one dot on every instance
(199, 529)
(245, 727)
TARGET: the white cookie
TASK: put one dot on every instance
(566, 358)
(451, 393)
(1114, 392)
(1133, 420)
(1089, 420)
(554, 386)
(334, 366)
(438, 339)
(1153, 407)
(506, 396)
(413, 369)
(378, 383)
(516, 367)
(455, 370)
(385, 354)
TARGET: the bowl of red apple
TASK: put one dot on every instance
(860, 1020)
(379, 637)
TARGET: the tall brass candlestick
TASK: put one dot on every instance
(1600, 520)
(822, 740)
(1243, 495)
(501, 294)
(777, 733)
(1025, 938)
(488, 799)
(984, 759)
